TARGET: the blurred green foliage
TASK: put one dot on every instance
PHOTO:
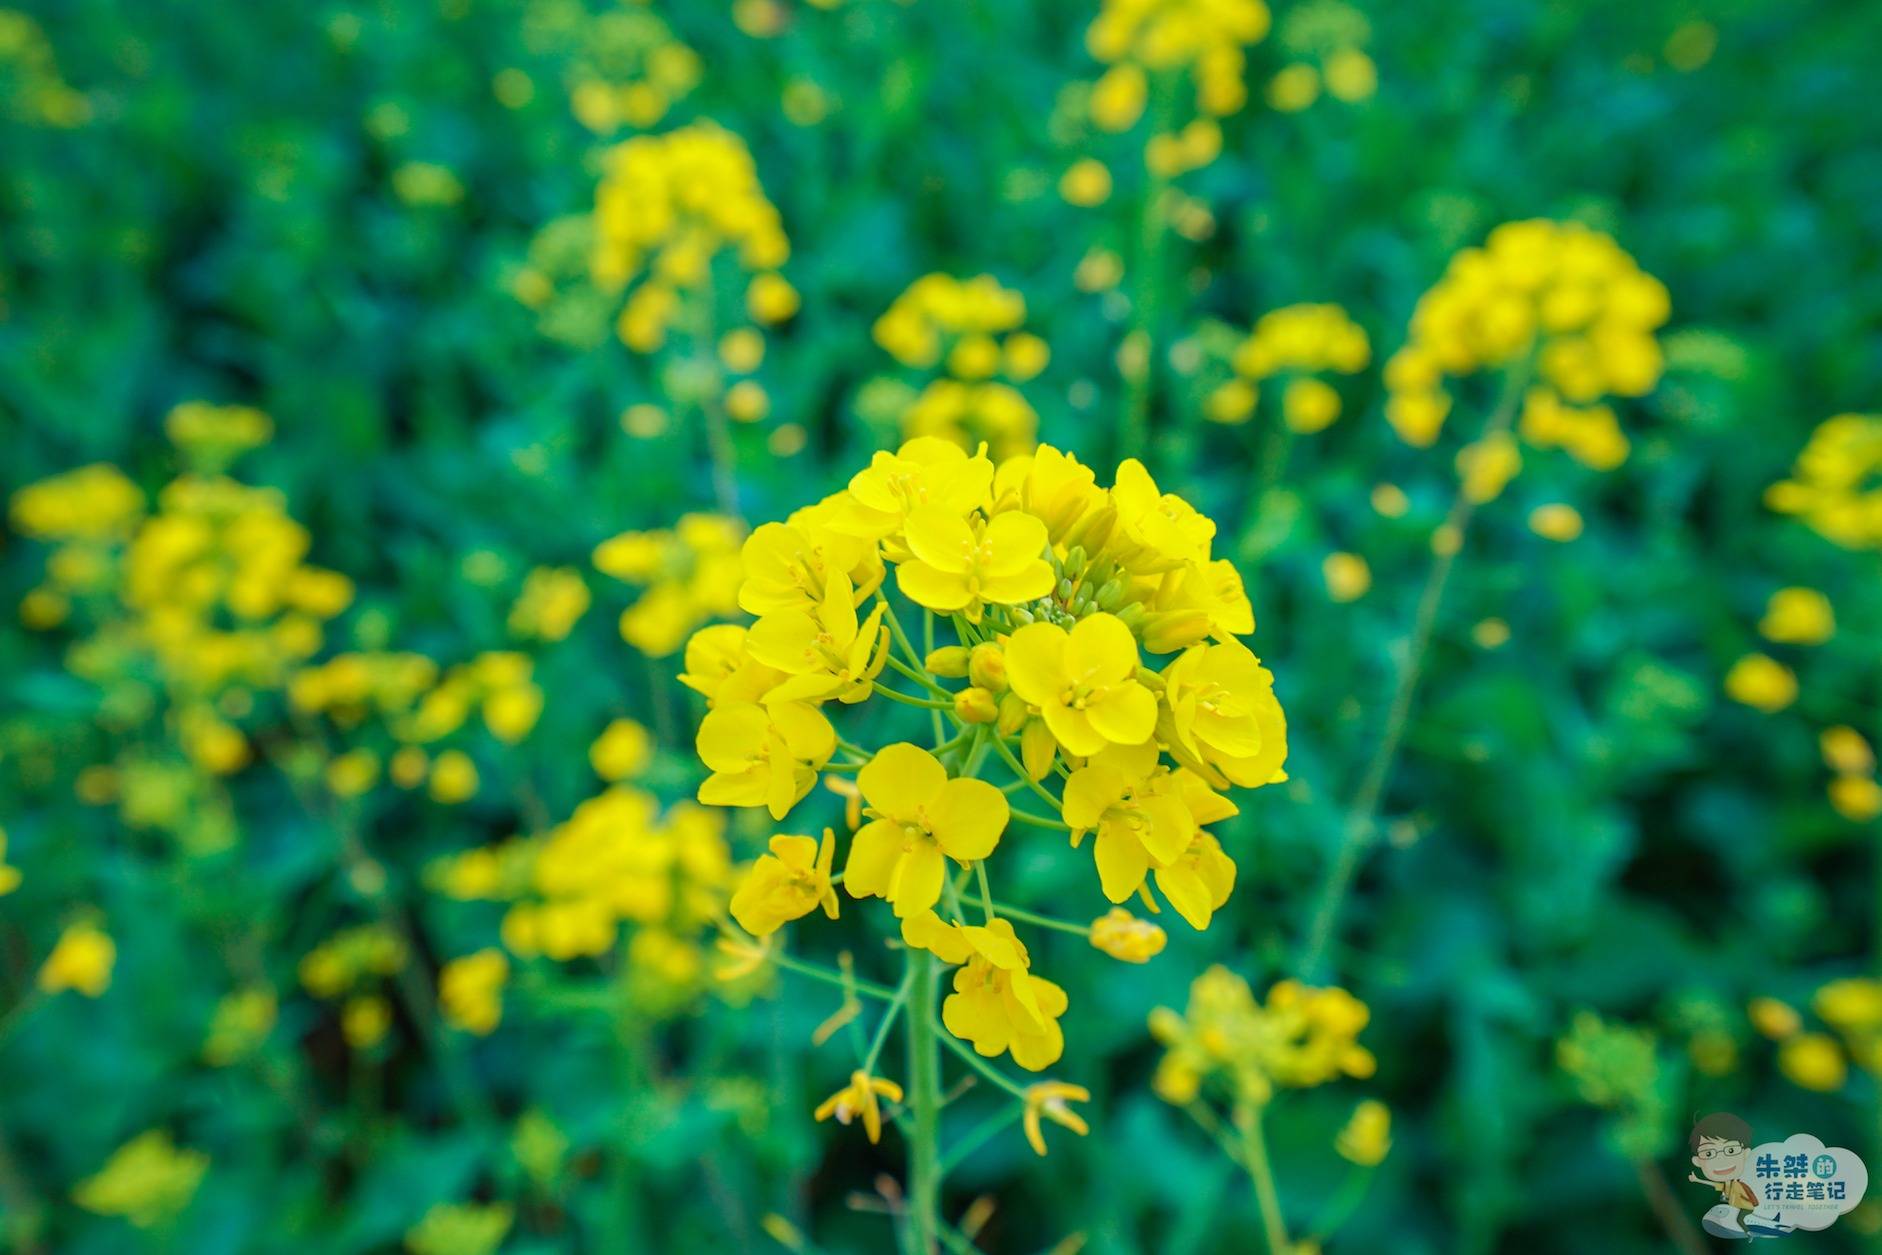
(322, 211)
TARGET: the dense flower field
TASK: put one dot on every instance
(1168, 626)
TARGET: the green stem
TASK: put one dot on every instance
(869, 989)
(1038, 821)
(1360, 825)
(986, 894)
(919, 677)
(906, 700)
(980, 1065)
(888, 1021)
(712, 408)
(1255, 1159)
(924, 1103)
(1001, 748)
(1043, 921)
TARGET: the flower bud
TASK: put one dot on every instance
(1125, 937)
(1013, 714)
(1036, 748)
(1111, 596)
(1091, 531)
(976, 705)
(986, 667)
(1075, 560)
(1174, 629)
(949, 662)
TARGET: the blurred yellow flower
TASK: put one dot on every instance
(1762, 683)
(859, 1098)
(1798, 616)
(1367, 1135)
(81, 960)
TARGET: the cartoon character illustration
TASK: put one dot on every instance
(1721, 1145)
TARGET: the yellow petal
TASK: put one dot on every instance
(969, 816)
(1035, 663)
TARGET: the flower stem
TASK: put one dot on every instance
(1360, 825)
(924, 1102)
(1255, 1159)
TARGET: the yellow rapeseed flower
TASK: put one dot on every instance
(917, 815)
(786, 884)
(81, 960)
(859, 1098)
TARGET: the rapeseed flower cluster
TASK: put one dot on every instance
(1092, 651)
(419, 706)
(629, 69)
(666, 208)
(194, 610)
(1228, 1041)
(688, 574)
(1323, 42)
(1836, 486)
(971, 330)
(1296, 344)
(1560, 308)
(1142, 39)
(616, 862)
(1617, 1067)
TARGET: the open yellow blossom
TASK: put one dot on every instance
(1198, 883)
(825, 654)
(1165, 530)
(1049, 1099)
(1084, 682)
(858, 1098)
(960, 565)
(763, 755)
(82, 960)
(918, 819)
(788, 566)
(1125, 937)
(925, 471)
(788, 883)
(1000, 1006)
(719, 667)
(1220, 718)
(1141, 813)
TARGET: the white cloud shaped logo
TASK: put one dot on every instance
(1803, 1183)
